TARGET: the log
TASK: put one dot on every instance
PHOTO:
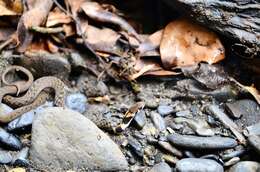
(238, 20)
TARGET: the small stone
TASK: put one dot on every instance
(184, 113)
(161, 167)
(164, 110)
(77, 102)
(252, 129)
(232, 161)
(136, 147)
(23, 123)
(5, 157)
(198, 165)
(167, 146)
(197, 142)
(19, 169)
(64, 139)
(10, 141)
(140, 119)
(245, 166)
(21, 158)
(158, 121)
(150, 100)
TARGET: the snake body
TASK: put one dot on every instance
(36, 95)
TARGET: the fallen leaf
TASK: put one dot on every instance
(56, 17)
(10, 8)
(150, 44)
(95, 11)
(34, 17)
(185, 43)
(150, 67)
(5, 33)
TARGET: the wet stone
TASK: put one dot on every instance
(23, 123)
(198, 165)
(167, 146)
(243, 108)
(140, 119)
(136, 147)
(161, 167)
(21, 158)
(245, 166)
(164, 110)
(197, 142)
(5, 157)
(185, 113)
(9, 141)
(158, 121)
(77, 102)
(254, 141)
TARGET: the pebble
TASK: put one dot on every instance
(254, 141)
(77, 102)
(5, 157)
(252, 129)
(198, 165)
(140, 119)
(10, 141)
(161, 167)
(21, 158)
(158, 121)
(150, 100)
(232, 161)
(23, 123)
(167, 146)
(65, 139)
(197, 142)
(165, 110)
(245, 166)
(136, 147)
(184, 113)
(19, 169)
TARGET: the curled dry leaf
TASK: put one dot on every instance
(103, 40)
(186, 43)
(56, 17)
(150, 67)
(151, 44)
(96, 12)
(10, 8)
(34, 17)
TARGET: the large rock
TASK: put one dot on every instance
(245, 166)
(65, 139)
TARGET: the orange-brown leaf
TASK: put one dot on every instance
(185, 43)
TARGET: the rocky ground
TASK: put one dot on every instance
(182, 127)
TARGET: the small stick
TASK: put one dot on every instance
(46, 30)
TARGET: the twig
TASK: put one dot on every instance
(46, 30)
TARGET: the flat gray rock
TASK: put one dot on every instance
(65, 139)
(245, 166)
(198, 165)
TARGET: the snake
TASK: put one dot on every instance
(37, 93)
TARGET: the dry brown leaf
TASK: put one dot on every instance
(150, 67)
(186, 43)
(151, 44)
(95, 11)
(102, 39)
(56, 17)
(75, 5)
(34, 17)
(10, 8)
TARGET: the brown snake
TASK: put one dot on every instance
(35, 96)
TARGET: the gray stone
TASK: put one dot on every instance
(5, 157)
(161, 167)
(197, 142)
(158, 121)
(164, 110)
(198, 165)
(245, 166)
(65, 139)
(254, 141)
(77, 102)
(140, 119)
